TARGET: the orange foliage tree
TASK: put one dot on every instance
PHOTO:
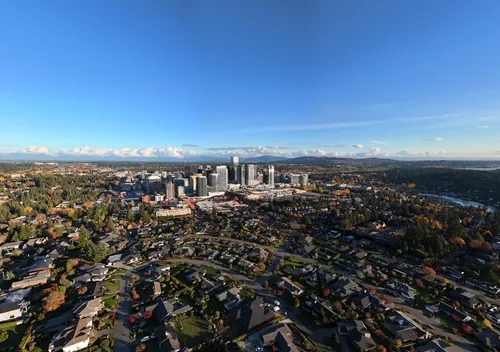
(53, 301)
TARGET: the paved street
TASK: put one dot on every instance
(122, 332)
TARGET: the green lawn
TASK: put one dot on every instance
(111, 302)
(112, 286)
(246, 294)
(194, 331)
(16, 333)
(211, 271)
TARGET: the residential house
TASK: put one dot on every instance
(194, 275)
(358, 335)
(320, 307)
(278, 336)
(33, 279)
(42, 264)
(445, 308)
(287, 285)
(207, 286)
(73, 338)
(166, 309)
(88, 309)
(10, 247)
(465, 297)
(167, 337)
(404, 290)
(494, 317)
(157, 289)
(344, 287)
(95, 290)
(258, 255)
(489, 338)
(370, 301)
(245, 264)
(53, 325)
(439, 345)
(404, 327)
(92, 273)
(13, 310)
(252, 313)
(229, 298)
(184, 252)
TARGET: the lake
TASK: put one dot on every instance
(459, 201)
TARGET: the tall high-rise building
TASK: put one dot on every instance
(181, 182)
(240, 175)
(232, 172)
(193, 181)
(180, 191)
(269, 175)
(170, 191)
(152, 184)
(201, 186)
(235, 160)
(303, 179)
(251, 174)
(212, 180)
(222, 179)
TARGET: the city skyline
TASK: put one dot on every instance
(159, 81)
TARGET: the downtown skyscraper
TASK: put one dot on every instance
(222, 178)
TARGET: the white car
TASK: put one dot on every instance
(146, 338)
(276, 302)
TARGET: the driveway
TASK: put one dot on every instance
(122, 332)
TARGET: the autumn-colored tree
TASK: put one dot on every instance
(486, 246)
(133, 318)
(278, 292)
(140, 348)
(338, 306)
(429, 271)
(398, 343)
(296, 302)
(486, 324)
(459, 241)
(52, 233)
(148, 314)
(49, 289)
(381, 348)
(53, 301)
(466, 329)
(134, 278)
(385, 298)
(372, 289)
(436, 225)
(82, 290)
(325, 292)
(135, 295)
(476, 244)
(456, 304)
(265, 284)
(419, 283)
(261, 266)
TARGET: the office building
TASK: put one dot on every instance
(170, 191)
(152, 184)
(193, 180)
(212, 180)
(180, 191)
(181, 182)
(222, 179)
(235, 160)
(232, 170)
(251, 174)
(240, 175)
(260, 178)
(269, 175)
(293, 179)
(303, 179)
(201, 186)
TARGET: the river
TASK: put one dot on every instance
(459, 201)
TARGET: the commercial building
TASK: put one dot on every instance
(303, 179)
(269, 175)
(241, 175)
(173, 212)
(170, 191)
(222, 180)
(201, 186)
(235, 160)
(212, 180)
(251, 174)
(152, 184)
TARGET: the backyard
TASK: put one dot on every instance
(193, 331)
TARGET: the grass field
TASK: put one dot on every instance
(112, 286)
(111, 302)
(16, 333)
(194, 331)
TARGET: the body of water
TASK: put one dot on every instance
(459, 201)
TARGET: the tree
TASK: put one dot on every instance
(9, 275)
(130, 215)
(135, 295)
(133, 318)
(4, 335)
(296, 302)
(261, 266)
(134, 278)
(486, 246)
(140, 348)
(265, 284)
(429, 271)
(325, 292)
(419, 283)
(476, 244)
(148, 314)
(279, 292)
(486, 324)
(381, 348)
(82, 290)
(110, 224)
(53, 301)
(104, 344)
(398, 343)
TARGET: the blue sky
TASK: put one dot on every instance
(149, 78)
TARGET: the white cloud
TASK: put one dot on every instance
(37, 150)
(334, 146)
(483, 126)
(380, 142)
(149, 152)
(374, 150)
(435, 139)
(190, 145)
(358, 146)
